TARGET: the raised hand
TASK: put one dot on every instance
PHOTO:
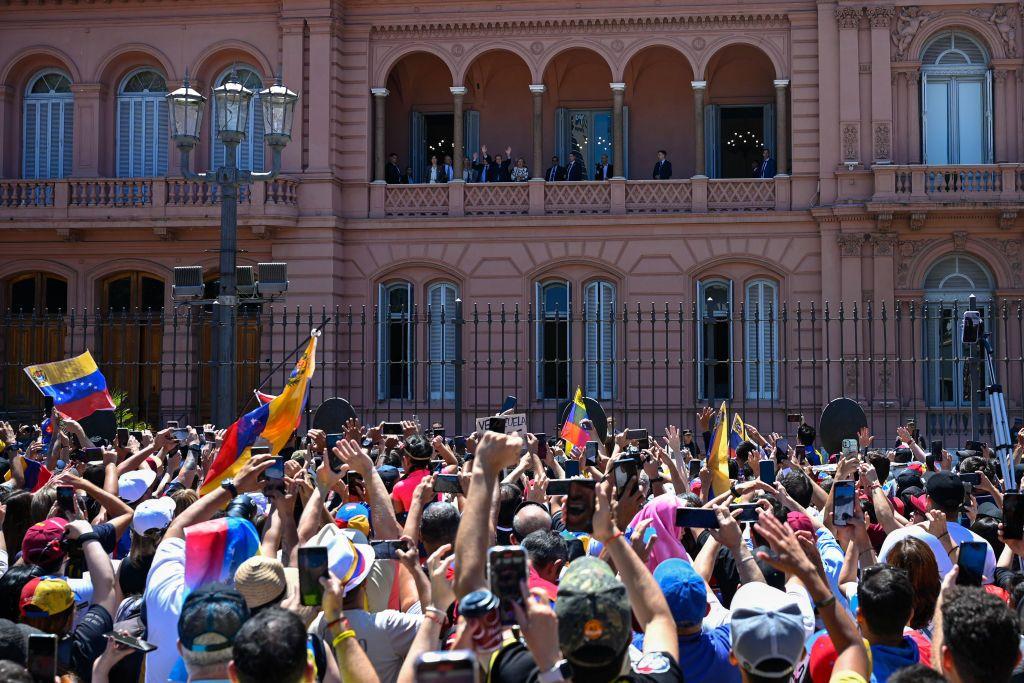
(672, 438)
(864, 437)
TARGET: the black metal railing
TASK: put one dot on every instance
(649, 364)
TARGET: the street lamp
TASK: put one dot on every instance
(232, 101)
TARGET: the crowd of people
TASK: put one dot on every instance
(393, 553)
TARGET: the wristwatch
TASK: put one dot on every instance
(562, 671)
(229, 486)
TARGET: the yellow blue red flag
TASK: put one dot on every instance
(718, 456)
(737, 435)
(76, 384)
(573, 431)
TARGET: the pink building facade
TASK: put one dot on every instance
(895, 134)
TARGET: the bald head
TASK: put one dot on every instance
(529, 519)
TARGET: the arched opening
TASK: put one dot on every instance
(142, 134)
(578, 110)
(554, 339)
(419, 112)
(48, 126)
(249, 155)
(739, 112)
(498, 109)
(659, 111)
(714, 339)
(34, 332)
(956, 100)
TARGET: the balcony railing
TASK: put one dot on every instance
(949, 184)
(617, 196)
(81, 197)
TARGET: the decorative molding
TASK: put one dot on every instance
(699, 85)
(1004, 19)
(848, 17)
(917, 220)
(885, 243)
(883, 222)
(908, 22)
(460, 90)
(262, 232)
(1013, 251)
(850, 243)
(162, 232)
(880, 17)
(882, 141)
(864, 67)
(959, 240)
(850, 141)
(908, 251)
(69, 235)
(380, 92)
(1007, 219)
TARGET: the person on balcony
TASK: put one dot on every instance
(449, 169)
(555, 171)
(575, 171)
(409, 178)
(520, 172)
(765, 169)
(663, 167)
(502, 164)
(392, 171)
(436, 172)
(604, 170)
(469, 172)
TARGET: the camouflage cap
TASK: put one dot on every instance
(594, 618)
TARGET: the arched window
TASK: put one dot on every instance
(395, 342)
(441, 341)
(249, 154)
(714, 339)
(553, 339)
(761, 340)
(956, 101)
(48, 126)
(142, 133)
(947, 287)
(599, 343)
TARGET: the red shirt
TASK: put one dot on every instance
(535, 580)
(405, 488)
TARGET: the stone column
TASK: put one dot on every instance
(881, 84)
(8, 161)
(458, 144)
(781, 127)
(698, 124)
(915, 141)
(292, 29)
(618, 159)
(319, 100)
(848, 19)
(380, 101)
(537, 91)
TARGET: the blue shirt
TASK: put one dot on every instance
(704, 656)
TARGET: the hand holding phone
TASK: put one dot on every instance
(447, 483)
(1013, 515)
(696, 518)
(579, 505)
(971, 562)
(312, 567)
(843, 502)
(508, 571)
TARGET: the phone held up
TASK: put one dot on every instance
(312, 566)
(507, 570)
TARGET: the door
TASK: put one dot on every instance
(588, 132)
(956, 118)
(714, 339)
(34, 333)
(735, 136)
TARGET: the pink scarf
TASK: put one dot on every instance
(662, 513)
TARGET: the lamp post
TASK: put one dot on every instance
(232, 114)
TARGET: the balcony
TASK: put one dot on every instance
(933, 186)
(614, 197)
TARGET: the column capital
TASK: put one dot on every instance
(537, 88)
(848, 17)
(617, 87)
(699, 85)
(458, 90)
(781, 83)
(380, 92)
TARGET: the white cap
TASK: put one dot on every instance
(155, 513)
(133, 485)
(767, 626)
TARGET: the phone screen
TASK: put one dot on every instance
(571, 468)
(972, 563)
(558, 487)
(180, 435)
(697, 518)
(392, 428)
(843, 502)
(446, 667)
(579, 506)
(635, 434)
(508, 404)
(590, 452)
(66, 498)
(972, 478)
(1013, 515)
(447, 483)
(131, 641)
(695, 467)
(122, 437)
(781, 449)
(542, 445)
(387, 550)
(42, 657)
(312, 566)
(508, 571)
(750, 511)
(276, 470)
(767, 471)
(625, 469)
(496, 424)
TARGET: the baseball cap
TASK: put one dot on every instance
(41, 544)
(594, 618)
(155, 513)
(354, 516)
(767, 630)
(46, 596)
(350, 557)
(389, 473)
(684, 590)
(990, 509)
(263, 580)
(946, 489)
(908, 479)
(133, 485)
(210, 618)
(798, 521)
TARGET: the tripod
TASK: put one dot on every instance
(974, 334)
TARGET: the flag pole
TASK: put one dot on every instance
(277, 367)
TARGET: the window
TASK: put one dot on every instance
(761, 336)
(249, 154)
(48, 127)
(553, 341)
(956, 101)
(142, 132)
(714, 339)
(394, 340)
(947, 287)
(441, 342)
(599, 353)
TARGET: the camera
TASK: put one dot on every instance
(973, 328)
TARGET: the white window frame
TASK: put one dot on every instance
(385, 318)
(32, 107)
(543, 316)
(702, 286)
(250, 155)
(599, 303)
(952, 75)
(158, 144)
(441, 345)
(761, 326)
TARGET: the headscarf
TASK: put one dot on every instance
(661, 510)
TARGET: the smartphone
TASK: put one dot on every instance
(210, 436)
(579, 506)
(42, 657)
(92, 453)
(972, 478)
(782, 449)
(130, 641)
(456, 666)
(312, 566)
(66, 498)
(48, 406)
(440, 431)
(978, 446)
(843, 502)
(936, 451)
(388, 550)
(508, 570)
(590, 452)
(850, 447)
(636, 434)
(542, 445)
(459, 444)
(259, 450)
(180, 435)
(695, 467)
(509, 403)
(794, 417)
(625, 469)
(171, 424)
(645, 444)
(558, 487)
(447, 483)
(971, 562)
(750, 511)
(496, 424)
(1013, 515)
(696, 518)
(137, 435)
(767, 471)
(122, 437)
(392, 429)
(571, 468)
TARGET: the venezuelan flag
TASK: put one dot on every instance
(718, 456)
(274, 421)
(572, 430)
(214, 549)
(33, 472)
(737, 435)
(77, 386)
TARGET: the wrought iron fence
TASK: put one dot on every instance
(649, 364)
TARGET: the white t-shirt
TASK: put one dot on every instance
(957, 532)
(165, 593)
(385, 636)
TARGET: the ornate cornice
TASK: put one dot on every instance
(880, 17)
(850, 244)
(848, 17)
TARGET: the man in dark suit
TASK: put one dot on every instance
(663, 167)
(392, 171)
(575, 171)
(766, 169)
(449, 169)
(502, 174)
(555, 171)
(604, 170)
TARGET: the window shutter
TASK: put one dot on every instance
(30, 162)
(441, 342)
(382, 343)
(711, 152)
(68, 138)
(416, 145)
(257, 148)
(161, 139)
(562, 134)
(54, 136)
(699, 340)
(471, 131)
(149, 157)
(124, 138)
(761, 347)
(592, 345)
(216, 146)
